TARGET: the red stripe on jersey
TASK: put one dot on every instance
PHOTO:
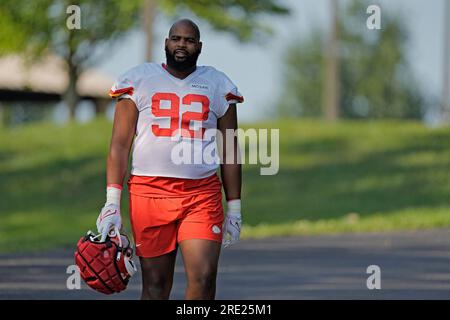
(119, 92)
(231, 96)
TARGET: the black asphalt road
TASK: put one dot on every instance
(414, 265)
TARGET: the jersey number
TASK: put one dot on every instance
(174, 114)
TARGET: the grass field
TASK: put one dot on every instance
(345, 177)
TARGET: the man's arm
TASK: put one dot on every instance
(124, 129)
(231, 178)
(231, 168)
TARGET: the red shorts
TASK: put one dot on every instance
(160, 223)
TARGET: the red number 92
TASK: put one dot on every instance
(174, 114)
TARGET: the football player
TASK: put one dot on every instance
(174, 205)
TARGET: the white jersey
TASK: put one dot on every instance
(167, 104)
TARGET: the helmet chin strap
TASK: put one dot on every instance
(116, 233)
(131, 268)
(94, 237)
(129, 265)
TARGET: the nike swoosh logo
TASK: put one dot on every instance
(236, 226)
(108, 213)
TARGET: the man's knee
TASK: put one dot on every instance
(155, 293)
(205, 279)
(156, 287)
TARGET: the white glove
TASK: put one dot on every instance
(110, 218)
(232, 224)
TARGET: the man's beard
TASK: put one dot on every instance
(189, 62)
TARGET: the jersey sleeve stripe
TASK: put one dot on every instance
(231, 96)
(119, 92)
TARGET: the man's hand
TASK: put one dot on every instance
(109, 218)
(233, 223)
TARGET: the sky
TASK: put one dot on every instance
(257, 69)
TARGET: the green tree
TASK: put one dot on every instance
(34, 28)
(375, 78)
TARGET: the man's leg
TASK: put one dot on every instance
(157, 276)
(200, 259)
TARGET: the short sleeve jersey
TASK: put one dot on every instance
(171, 107)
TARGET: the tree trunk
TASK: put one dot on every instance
(331, 90)
(1, 115)
(101, 106)
(71, 97)
(148, 15)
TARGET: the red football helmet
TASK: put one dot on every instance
(105, 266)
